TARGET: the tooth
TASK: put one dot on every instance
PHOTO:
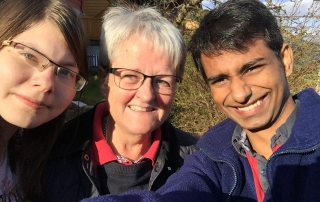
(250, 106)
(137, 108)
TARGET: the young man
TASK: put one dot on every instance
(268, 148)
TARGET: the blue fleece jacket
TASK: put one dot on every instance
(218, 173)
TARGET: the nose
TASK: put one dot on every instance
(146, 91)
(44, 80)
(240, 90)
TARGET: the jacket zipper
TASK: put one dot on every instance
(233, 170)
(312, 149)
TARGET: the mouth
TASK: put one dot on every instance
(141, 109)
(31, 103)
(250, 107)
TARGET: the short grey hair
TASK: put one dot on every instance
(121, 23)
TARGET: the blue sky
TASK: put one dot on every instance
(305, 4)
(313, 24)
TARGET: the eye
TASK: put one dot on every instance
(30, 56)
(217, 82)
(130, 78)
(253, 69)
(65, 73)
(163, 83)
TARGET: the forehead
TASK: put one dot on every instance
(234, 60)
(46, 37)
(142, 54)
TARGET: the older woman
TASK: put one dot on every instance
(125, 143)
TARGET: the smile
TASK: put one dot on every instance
(31, 103)
(250, 107)
(141, 109)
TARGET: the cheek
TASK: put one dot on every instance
(64, 98)
(117, 97)
(10, 70)
(218, 96)
(165, 102)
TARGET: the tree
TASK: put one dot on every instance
(300, 28)
(194, 110)
(299, 23)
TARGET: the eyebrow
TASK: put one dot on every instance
(68, 64)
(63, 64)
(243, 69)
(216, 77)
(246, 66)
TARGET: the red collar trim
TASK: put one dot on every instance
(103, 153)
(101, 150)
(154, 148)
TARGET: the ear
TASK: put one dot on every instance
(287, 59)
(103, 81)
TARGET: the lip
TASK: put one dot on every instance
(141, 109)
(31, 102)
(251, 109)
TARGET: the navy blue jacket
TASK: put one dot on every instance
(218, 173)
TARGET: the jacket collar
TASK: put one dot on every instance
(305, 132)
(76, 133)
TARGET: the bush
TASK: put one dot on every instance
(193, 109)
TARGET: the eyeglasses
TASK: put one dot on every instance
(33, 58)
(131, 80)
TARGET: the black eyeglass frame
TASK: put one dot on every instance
(113, 71)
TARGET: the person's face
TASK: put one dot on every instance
(251, 88)
(28, 97)
(143, 110)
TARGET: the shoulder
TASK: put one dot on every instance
(180, 142)
(219, 136)
(226, 126)
(307, 97)
(74, 134)
(185, 138)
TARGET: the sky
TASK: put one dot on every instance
(303, 7)
(288, 5)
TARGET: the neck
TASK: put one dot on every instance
(261, 139)
(131, 146)
(7, 131)
(261, 143)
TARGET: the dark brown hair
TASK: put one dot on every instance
(28, 152)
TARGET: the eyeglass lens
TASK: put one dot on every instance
(35, 60)
(131, 80)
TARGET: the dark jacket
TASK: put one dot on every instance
(218, 173)
(71, 173)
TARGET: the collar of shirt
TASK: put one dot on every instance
(242, 144)
(102, 151)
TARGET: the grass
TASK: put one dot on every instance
(193, 109)
(91, 92)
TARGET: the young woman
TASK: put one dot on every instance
(42, 65)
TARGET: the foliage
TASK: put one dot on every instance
(91, 92)
(193, 109)
(301, 29)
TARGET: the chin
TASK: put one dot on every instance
(143, 131)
